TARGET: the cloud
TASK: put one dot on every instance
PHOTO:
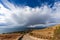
(14, 15)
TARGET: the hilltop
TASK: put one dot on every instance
(50, 33)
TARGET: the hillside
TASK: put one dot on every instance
(50, 33)
(10, 36)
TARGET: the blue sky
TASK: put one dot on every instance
(32, 3)
(29, 13)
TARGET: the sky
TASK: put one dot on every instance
(29, 13)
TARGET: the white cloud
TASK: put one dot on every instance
(26, 16)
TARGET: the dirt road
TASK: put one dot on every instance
(28, 37)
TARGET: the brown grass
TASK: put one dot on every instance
(10, 36)
(49, 33)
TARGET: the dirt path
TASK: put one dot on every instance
(20, 38)
(28, 37)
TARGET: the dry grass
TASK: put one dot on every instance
(10, 36)
(50, 33)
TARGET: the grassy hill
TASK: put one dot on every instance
(50, 33)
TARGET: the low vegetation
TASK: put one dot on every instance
(57, 33)
(50, 33)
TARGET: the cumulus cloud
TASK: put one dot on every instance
(14, 15)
